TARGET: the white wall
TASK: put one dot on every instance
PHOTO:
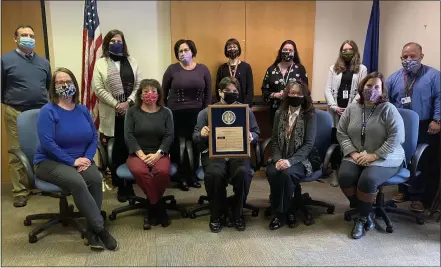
(145, 24)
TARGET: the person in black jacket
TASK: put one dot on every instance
(237, 69)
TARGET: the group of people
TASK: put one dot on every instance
(150, 121)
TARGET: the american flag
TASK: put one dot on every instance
(92, 41)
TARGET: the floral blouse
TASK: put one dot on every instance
(273, 81)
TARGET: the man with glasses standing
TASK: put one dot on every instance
(25, 79)
(417, 87)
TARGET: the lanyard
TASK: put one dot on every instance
(408, 87)
(285, 80)
(364, 123)
(233, 72)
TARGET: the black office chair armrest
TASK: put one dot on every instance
(416, 159)
(27, 166)
(103, 156)
(328, 156)
(110, 145)
(256, 146)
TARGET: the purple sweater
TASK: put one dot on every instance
(187, 89)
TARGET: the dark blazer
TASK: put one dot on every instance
(300, 147)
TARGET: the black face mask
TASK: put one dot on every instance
(296, 101)
(232, 54)
(230, 97)
(286, 56)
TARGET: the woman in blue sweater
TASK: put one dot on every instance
(68, 142)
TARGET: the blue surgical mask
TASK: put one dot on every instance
(26, 43)
(116, 48)
(66, 91)
(411, 66)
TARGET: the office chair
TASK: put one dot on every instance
(28, 140)
(413, 154)
(325, 150)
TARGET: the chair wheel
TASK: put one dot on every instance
(146, 226)
(27, 222)
(308, 222)
(112, 217)
(330, 210)
(420, 221)
(201, 201)
(255, 213)
(389, 229)
(184, 214)
(192, 216)
(173, 202)
(33, 239)
(347, 217)
(131, 202)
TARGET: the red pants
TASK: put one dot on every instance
(152, 180)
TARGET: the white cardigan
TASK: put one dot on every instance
(107, 103)
(332, 86)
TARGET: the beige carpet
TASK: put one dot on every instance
(188, 242)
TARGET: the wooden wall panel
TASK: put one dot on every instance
(15, 13)
(209, 24)
(268, 24)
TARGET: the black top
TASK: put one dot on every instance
(273, 81)
(345, 84)
(245, 76)
(148, 131)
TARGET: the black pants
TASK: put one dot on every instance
(424, 187)
(184, 122)
(366, 179)
(284, 186)
(217, 174)
(336, 156)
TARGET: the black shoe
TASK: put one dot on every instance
(122, 194)
(92, 240)
(358, 230)
(195, 184)
(161, 216)
(20, 201)
(370, 224)
(275, 223)
(291, 220)
(216, 226)
(240, 224)
(183, 186)
(108, 240)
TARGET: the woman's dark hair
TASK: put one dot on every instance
(150, 83)
(340, 65)
(53, 96)
(190, 45)
(307, 106)
(106, 42)
(296, 58)
(383, 97)
(232, 41)
(227, 81)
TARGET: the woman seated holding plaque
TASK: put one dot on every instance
(221, 171)
(294, 155)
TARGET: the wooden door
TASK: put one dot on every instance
(16, 13)
(209, 24)
(268, 24)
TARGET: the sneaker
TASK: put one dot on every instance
(399, 198)
(333, 179)
(92, 241)
(239, 224)
(417, 206)
(20, 201)
(108, 240)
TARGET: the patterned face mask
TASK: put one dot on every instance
(232, 53)
(411, 66)
(150, 97)
(66, 91)
(371, 95)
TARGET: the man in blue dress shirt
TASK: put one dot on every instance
(417, 87)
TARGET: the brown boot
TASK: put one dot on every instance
(417, 206)
(20, 201)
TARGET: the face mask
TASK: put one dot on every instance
(116, 48)
(186, 57)
(233, 53)
(26, 43)
(286, 56)
(66, 91)
(371, 95)
(150, 97)
(347, 57)
(411, 66)
(295, 101)
(229, 97)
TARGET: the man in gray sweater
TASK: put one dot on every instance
(218, 172)
(25, 80)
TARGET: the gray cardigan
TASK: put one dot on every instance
(384, 133)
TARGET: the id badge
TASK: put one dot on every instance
(364, 152)
(406, 100)
(345, 94)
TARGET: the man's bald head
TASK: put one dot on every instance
(412, 51)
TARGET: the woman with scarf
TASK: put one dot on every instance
(115, 80)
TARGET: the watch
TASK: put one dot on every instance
(161, 152)
(131, 102)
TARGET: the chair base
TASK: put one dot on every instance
(136, 202)
(382, 211)
(67, 216)
(192, 213)
(307, 201)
